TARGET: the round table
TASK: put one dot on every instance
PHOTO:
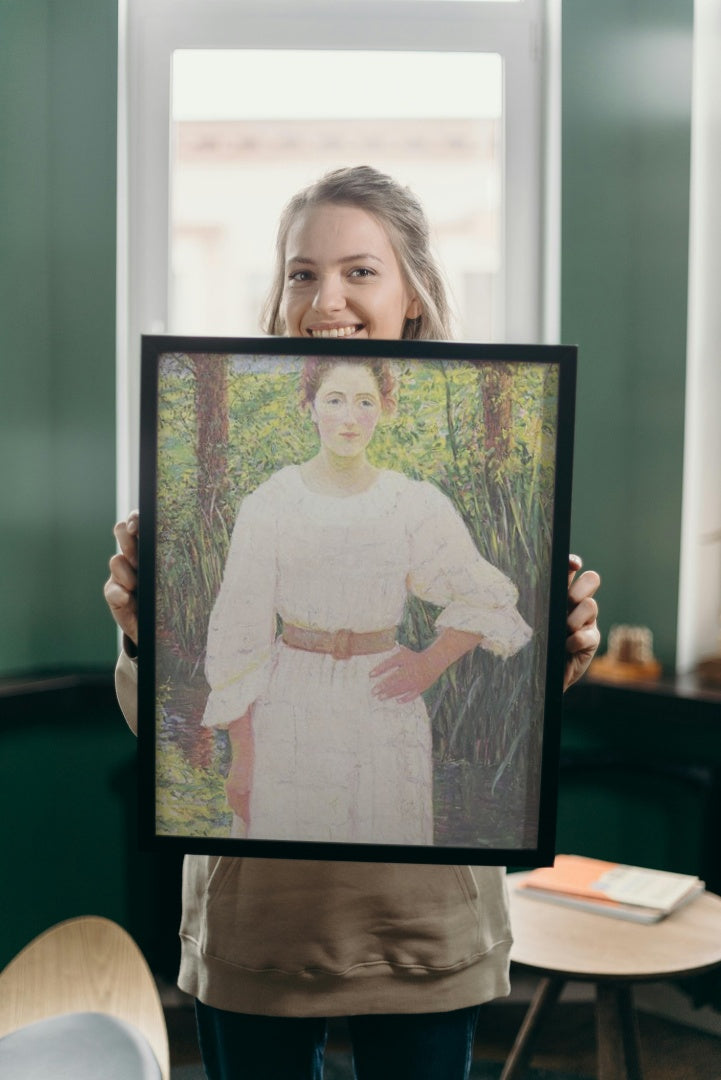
(563, 944)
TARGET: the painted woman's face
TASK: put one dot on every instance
(342, 277)
(346, 409)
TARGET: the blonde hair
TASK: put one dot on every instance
(402, 216)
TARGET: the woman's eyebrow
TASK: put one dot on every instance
(356, 396)
(361, 257)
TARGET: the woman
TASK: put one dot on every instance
(271, 948)
(342, 739)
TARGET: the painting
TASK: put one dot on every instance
(352, 597)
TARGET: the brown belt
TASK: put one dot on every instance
(340, 644)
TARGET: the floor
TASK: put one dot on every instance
(669, 1050)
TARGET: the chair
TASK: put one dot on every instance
(79, 1002)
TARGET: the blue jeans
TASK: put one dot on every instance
(414, 1046)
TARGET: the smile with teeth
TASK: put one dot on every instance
(336, 331)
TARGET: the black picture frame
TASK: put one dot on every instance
(484, 434)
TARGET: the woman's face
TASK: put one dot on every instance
(342, 277)
(346, 409)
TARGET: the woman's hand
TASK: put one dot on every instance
(121, 587)
(583, 635)
(239, 781)
(410, 673)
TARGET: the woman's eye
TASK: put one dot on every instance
(362, 272)
(300, 276)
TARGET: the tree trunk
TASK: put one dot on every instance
(496, 386)
(211, 404)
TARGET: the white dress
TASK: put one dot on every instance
(332, 763)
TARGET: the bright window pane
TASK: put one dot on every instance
(252, 127)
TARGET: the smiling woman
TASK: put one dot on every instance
(339, 262)
(353, 259)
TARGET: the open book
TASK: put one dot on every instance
(607, 888)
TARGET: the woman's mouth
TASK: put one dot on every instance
(334, 331)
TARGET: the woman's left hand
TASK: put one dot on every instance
(583, 635)
(408, 674)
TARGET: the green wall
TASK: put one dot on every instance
(626, 145)
(58, 72)
(67, 761)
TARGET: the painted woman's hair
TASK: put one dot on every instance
(316, 368)
(402, 216)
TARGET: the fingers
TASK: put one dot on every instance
(583, 636)
(120, 588)
(126, 534)
(119, 599)
(401, 671)
(584, 613)
(584, 586)
(407, 675)
(586, 640)
(394, 684)
(123, 608)
(123, 572)
(575, 563)
(400, 690)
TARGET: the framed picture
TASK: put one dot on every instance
(353, 571)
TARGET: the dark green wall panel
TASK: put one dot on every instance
(68, 798)
(626, 145)
(58, 77)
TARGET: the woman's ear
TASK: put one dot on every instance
(415, 309)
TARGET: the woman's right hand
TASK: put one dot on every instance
(121, 587)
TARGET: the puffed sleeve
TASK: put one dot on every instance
(448, 571)
(241, 630)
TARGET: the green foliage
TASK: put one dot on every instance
(507, 507)
(190, 801)
(437, 434)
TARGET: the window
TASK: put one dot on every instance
(227, 107)
(235, 161)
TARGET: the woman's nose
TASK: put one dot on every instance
(329, 295)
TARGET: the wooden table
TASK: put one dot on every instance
(562, 944)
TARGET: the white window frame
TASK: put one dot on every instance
(526, 34)
(699, 598)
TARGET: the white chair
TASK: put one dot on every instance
(80, 1002)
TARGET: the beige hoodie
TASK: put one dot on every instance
(296, 938)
